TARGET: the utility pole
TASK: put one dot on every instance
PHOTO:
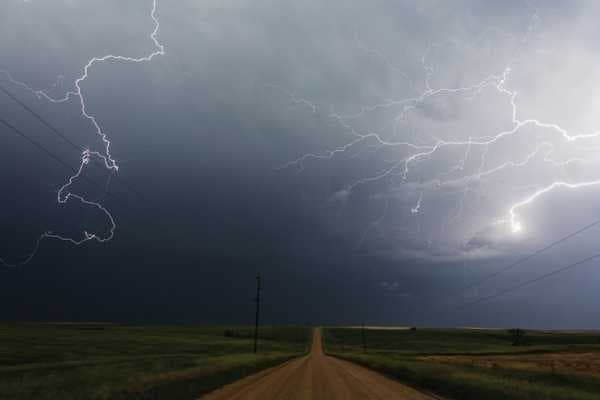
(257, 300)
(364, 342)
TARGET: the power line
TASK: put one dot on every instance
(58, 133)
(40, 119)
(531, 281)
(523, 260)
(50, 154)
(38, 146)
(256, 317)
(530, 256)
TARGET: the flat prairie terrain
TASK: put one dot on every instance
(105, 361)
(564, 363)
(475, 364)
(317, 377)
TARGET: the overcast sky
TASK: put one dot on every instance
(371, 159)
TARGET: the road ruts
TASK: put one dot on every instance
(317, 377)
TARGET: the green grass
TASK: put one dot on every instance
(103, 361)
(407, 356)
(457, 341)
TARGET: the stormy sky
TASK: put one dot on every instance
(370, 159)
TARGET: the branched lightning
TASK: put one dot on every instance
(64, 194)
(401, 169)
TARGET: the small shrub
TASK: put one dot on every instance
(228, 333)
(518, 336)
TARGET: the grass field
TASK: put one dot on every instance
(104, 361)
(467, 364)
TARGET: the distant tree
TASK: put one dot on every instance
(229, 333)
(517, 336)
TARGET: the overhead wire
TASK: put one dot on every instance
(64, 137)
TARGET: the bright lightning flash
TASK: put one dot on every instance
(398, 171)
(64, 194)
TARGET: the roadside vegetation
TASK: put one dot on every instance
(114, 362)
(472, 364)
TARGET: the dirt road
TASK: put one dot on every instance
(316, 377)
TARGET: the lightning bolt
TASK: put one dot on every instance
(417, 208)
(64, 194)
(456, 176)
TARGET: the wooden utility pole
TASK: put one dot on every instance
(257, 300)
(364, 342)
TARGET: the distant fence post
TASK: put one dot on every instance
(257, 300)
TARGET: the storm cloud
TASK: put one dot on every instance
(334, 146)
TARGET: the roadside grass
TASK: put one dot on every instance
(114, 362)
(425, 359)
(458, 341)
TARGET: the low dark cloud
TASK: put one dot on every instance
(274, 137)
